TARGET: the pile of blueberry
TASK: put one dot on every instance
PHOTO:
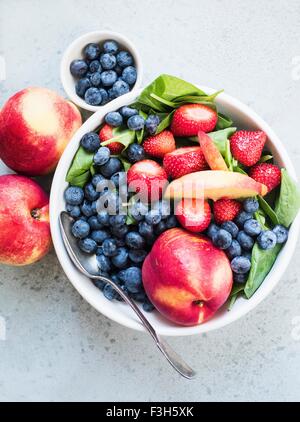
(120, 246)
(103, 73)
(133, 120)
(238, 237)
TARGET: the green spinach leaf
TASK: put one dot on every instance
(220, 138)
(288, 202)
(123, 136)
(223, 122)
(79, 172)
(268, 210)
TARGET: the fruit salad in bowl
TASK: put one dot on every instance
(189, 202)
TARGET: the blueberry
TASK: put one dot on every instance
(171, 222)
(119, 231)
(128, 112)
(110, 247)
(74, 211)
(145, 229)
(120, 88)
(121, 258)
(82, 86)
(103, 263)
(100, 284)
(108, 61)
(78, 68)
(163, 207)
(111, 167)
(104, 96)
(111, 94)
(80, 229)
(139, 297)
(109, 292)
(109, 78)
(240, 265)
(136, 123)
(135, 153)
(138, 210)
(87, 208)
(222, 239)
(230, 227)
(90, 142)
(121, 275)
(134, 240)
(93, 96)
(152, 123)
(74, 195)
(267, 240)
(110, 201)
(245, 241)
(99, 236)
(234, 249)
(240, 278)
(103, 218)
(95, 66)
(242, 218)
(148, 306)
(102, 156)
(96, 79)
(110, 47)
(91, 51)
(133, 279)
(251, 205)
(160, 228)
(124, 59)
(252, 227)
(153, 217)
(281, 233)
(137, 256)
(87, 245)
(129, 75)
(117, 220)
(212, 230)
(114, 119)
(118, 179)
(90, 192)
(94, 223)
(97, 178)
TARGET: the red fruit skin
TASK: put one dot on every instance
(226, 210)
(160, 145)
(186, 277)
(23, 238)
(105, 134)
(247, 146)
(268, 174)
(183, 161)
(148, 179)
(36, 125)
(193, 215)
(189, 119)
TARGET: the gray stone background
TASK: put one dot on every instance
(57, 347)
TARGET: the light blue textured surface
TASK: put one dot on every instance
(57, 346)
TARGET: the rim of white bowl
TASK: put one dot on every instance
(91, 294)
(74, 50)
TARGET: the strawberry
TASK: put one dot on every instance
(147, 178)
(267, 174)
(107, 133)
(247, 146)
(184, 161)
(193, 214)
(190, 118)
(226, 210)
(160, 144)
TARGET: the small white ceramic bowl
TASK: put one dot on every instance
(74, 51)
(243, 117)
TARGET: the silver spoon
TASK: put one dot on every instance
(87, 265)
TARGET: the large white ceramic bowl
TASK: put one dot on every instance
(243, 117)
(74, 51)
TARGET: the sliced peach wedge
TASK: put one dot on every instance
(214, 184)
(211, 153)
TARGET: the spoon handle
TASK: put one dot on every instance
(172, 357)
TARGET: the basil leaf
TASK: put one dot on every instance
(79, 172)
(261, 264)
(123, 136)
(223, 121)
(268, 210)
(288, 202)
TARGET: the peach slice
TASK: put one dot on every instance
(211, 153)
(214, 184)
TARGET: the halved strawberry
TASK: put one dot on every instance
(193, 214)
(160, 145)
(184, 161)
(107, 133)
(190, 118)
(147, 178)
(247, 146)
(226, 210)
(267, 174)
